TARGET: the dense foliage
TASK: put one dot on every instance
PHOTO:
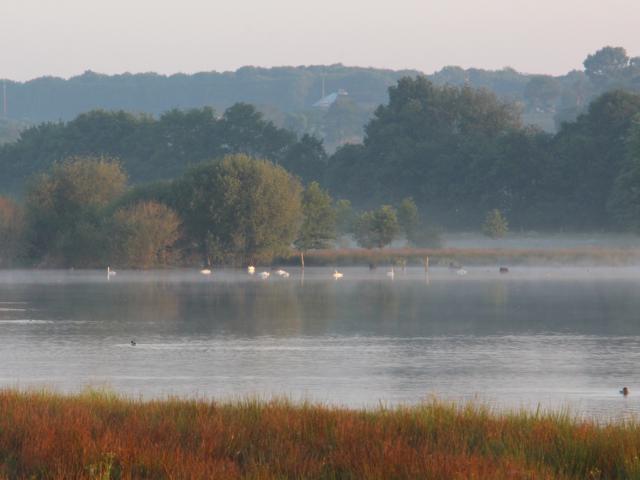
(239, 209)
(65, 211)
(142, 235)
(456, 151)
(461, 152)
(152, 149)
(235, 210)
(377, 228)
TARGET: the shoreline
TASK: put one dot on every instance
(471, 256)
(434, 257)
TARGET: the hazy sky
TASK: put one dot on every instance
(67, 37)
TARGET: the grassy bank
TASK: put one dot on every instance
(98, 435)
(469, 256)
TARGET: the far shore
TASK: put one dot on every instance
(431, 257)
(419, 257)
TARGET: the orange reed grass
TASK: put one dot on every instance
(99, 435)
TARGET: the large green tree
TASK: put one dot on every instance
(142, 235)
(239, 209)
(377, 228)
(425, 143)
(64, 210)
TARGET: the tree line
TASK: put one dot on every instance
(236, 210)
(458, 152)
(158, 149)
(286, 94)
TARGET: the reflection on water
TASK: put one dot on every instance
(554, 337)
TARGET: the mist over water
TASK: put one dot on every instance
(554, 337)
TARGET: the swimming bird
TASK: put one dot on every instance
(504, 270)
(110, 273)
(461, 271)
(264, 275)
(624, 391)
(282, 273)
(337, 274)
(205, 271)
(251, 269)
(133, 343)
(391, 273)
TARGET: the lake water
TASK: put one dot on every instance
(549, 337)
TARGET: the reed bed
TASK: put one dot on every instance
(469, 256)
(98, 435)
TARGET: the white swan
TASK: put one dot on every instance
(205, 271)
(337, 274)
(110, 273)
(251, 269)
(391, 273)
(461, 271)
(282, 273)
(264, 275)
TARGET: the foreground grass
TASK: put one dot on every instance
(99, 435)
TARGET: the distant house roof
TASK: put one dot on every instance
(327, 101)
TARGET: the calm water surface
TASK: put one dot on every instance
(554, 337)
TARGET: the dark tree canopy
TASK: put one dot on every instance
(606, 64)
(151, 149)
(420, 144)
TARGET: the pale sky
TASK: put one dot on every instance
(66, 37)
